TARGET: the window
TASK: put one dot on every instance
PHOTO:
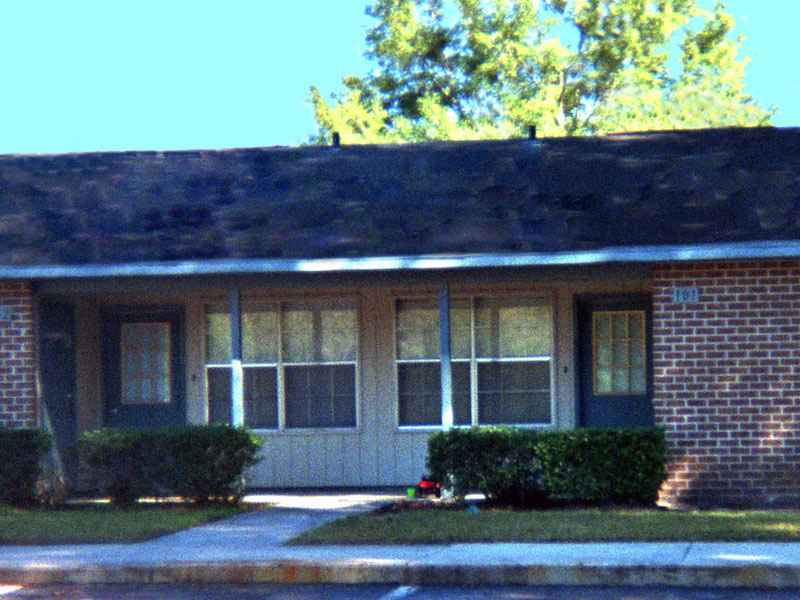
(145, 356)
(501, 361)
(618, 353)
(299, 362)
(418, 369)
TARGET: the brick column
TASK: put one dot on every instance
(17, 356)
(727, 381)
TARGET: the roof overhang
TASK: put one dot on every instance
(441, 262)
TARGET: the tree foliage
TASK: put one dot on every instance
(477, 69)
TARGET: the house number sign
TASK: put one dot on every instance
(685, 295)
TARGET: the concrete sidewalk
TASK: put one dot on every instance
(249, 549)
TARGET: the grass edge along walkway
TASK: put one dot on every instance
(589, 525)
(101, 523)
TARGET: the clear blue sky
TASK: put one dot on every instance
(84, 75)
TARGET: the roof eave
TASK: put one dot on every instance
(607, 255)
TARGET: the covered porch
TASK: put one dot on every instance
(345, 374)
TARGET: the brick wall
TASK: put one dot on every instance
(17, 357)
(727, 381)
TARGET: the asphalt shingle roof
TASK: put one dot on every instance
(688, 187)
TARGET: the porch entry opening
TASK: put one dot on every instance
(615, 362)
(143, 358)
(57, 355)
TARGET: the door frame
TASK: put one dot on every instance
(608, 301)
(111, 317)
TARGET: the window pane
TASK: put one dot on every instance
(417, 329)
(602, 380)
(459, 329)
(619, 325)
(462, 405)
(260, 335)
(619, 355)
(339, 334)
(514, 393)
(638, 381)
(298, 334)
(218, 384)
(603, 348)
(620, 381)
(636, 325)
(420, 393)
(260, 397)
(602, 326)
(320, 396)
(637, 353)
(145, 356)
(218, 337)
(512, 328)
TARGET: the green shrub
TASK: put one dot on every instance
(201, 463)
(122, 463)
(21, 453)
(528, 468)
(599, 466)
(498, 462)
(208, 462)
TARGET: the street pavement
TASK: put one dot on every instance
(382, 592)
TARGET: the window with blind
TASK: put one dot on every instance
(299, 363)
(501, 361)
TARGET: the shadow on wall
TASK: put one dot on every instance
(752, 462)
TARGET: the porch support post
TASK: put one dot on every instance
(444, 356)
(237, 372)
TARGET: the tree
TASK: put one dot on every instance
(478, 69)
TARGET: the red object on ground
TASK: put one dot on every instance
(427, 487)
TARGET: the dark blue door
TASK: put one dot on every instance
(143, 374)
(57, 357)
(614, 359)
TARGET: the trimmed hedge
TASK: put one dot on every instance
(123, 464)
(203, 463)
(207, 463)
(527, 468)
(21, 453)
(497, 462)
(601, 466)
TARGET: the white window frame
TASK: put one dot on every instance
(280, 364)
(474, 361)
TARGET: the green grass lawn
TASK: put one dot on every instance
(449, 526)
(90, 524)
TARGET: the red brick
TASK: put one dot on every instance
(727, 380)
(17, 364)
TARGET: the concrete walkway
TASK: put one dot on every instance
(249, 549)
